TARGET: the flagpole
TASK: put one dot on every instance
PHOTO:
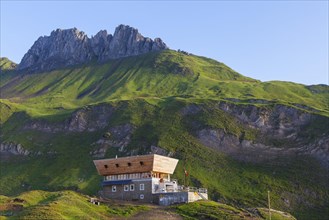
(184, 177)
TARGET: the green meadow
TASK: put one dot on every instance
(149, 92)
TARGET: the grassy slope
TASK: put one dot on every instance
(54, 205)
(63, 205)
(153, 75)
(212, 210)
(162, 124)
(149, 83)
(6, 64)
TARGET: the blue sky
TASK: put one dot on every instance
(265, 40)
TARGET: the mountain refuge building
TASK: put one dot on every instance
(145, 178)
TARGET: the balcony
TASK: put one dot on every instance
(115, 182)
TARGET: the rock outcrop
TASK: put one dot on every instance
(87, 119)
(71, 47)
(281, 131)
(12, 148)
(117, 136)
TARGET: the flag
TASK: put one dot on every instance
(185, 172)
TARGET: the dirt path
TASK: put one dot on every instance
(155, 213)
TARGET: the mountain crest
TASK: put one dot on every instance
(70, 47)
(6, 64)
(74, 32)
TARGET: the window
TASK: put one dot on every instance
(141, 163)
(114, 188)
(129, 164)
(132, 187)
(126, 188)
(141, 196)
(105, 166)
(117, 165)
(146, 175)
(141, 186)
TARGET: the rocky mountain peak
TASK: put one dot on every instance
(67, 33)
(70, 47)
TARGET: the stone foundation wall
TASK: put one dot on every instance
(166, 199)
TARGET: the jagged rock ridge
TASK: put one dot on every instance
(71, 46)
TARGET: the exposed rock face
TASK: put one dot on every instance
(281, 133)
(118, 136)
(12, 148)
(161, 151)
(86, 119)
(89, 119)
(244, 150)
(8, 149)
(128, 41)
(70, 47)
(61, 48)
